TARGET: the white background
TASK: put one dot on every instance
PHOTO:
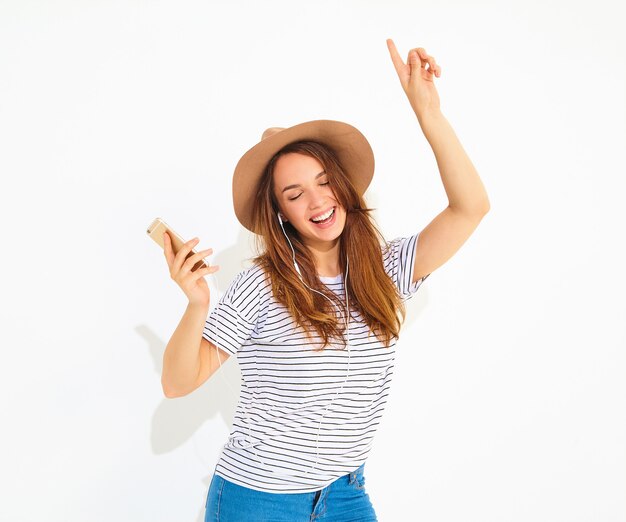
(509, 399)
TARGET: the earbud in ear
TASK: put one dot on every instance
(280, 220)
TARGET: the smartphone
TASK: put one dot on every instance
(155, 231)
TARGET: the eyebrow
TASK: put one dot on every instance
(296, 185)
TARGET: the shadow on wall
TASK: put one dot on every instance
(176, 421)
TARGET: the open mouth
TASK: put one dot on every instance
(326, 221)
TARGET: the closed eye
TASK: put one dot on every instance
(321, 184)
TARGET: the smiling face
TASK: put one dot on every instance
(303, 192)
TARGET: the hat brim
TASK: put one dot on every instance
(352, 148)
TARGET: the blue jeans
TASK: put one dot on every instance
(343, 500)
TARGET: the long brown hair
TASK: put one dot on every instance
(369, 288)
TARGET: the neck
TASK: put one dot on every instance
(326, 256)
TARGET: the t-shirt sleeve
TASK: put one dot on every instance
(398, 259)
(233, 320)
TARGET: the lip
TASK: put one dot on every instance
(322, 213)
(330, 223)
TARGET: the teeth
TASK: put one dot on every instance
(324, 216)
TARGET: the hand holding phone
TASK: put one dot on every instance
(186, 266)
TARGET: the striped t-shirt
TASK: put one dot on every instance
(291, 395)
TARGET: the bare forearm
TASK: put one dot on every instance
(181, 360)
(461, 181)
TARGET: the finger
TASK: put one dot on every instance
(428, 59)
(192, 260)
(182, 254)
(414, 60)
(167, 249)
(421, 55)
(201, 272)
(433, 65)
(395, 56)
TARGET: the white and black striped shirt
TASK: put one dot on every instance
(289, 391)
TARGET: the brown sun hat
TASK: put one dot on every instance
(351, 147)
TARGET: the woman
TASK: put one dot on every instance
(314, 321)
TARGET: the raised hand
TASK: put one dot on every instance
(416, 79)
(192, 284)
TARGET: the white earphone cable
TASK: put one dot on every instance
(247, 419)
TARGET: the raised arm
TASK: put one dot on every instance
(189, 360)
(467, 199)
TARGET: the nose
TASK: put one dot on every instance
(319, 199)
